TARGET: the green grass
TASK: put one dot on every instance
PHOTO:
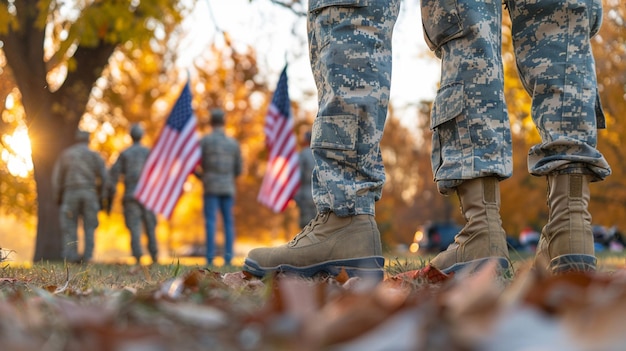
(99, 276)
(607, 261)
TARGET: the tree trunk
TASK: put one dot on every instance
(49, 139)
(52, 116)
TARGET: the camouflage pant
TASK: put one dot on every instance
(350, 52)
(78, 204)
(471, 130)
(136, 216)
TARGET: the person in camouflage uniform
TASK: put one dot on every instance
(79, 179)
(220, 165)
(129, 164)
(351, 60)
(304, 196)
(472, 149)
(350, 53)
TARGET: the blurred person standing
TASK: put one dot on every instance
(129, 164)
(220, 165)
(79, 180)
(304, 196)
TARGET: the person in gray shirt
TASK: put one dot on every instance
(78, 180)
(220, 165)
(129, 164)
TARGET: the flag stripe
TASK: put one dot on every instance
(282, 177)
(173, 157)
(175, 174)
(160, 175)
(172, 171)
(184, 167)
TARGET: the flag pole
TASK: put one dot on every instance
(212, 15)
(282, 177)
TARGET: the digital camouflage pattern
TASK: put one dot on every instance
(471, 129)
(79, 179)
(350, 52)
(130, 164)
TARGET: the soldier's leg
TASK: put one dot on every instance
(132, 217)
(469, 119)
(68, 218)
(350, 52)
(91, 206)
(471, 143)
(557, 69)
(150, 222)
(553, 51)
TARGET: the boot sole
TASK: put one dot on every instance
(370, 268)
(474, 265)
(573, 263)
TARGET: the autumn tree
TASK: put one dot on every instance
(55, 51)
(609, 196)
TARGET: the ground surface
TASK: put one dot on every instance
(176, 307)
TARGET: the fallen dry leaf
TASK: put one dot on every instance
(204, 309)
(238, 280)
(426, 275)
(352, 314)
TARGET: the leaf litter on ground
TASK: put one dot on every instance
(161, 307)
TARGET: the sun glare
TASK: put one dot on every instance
(18, 156)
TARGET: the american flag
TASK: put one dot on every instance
(282, 177)
(173, 157)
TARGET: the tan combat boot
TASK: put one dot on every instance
(566, 242)
(482, 239)
(328, 244)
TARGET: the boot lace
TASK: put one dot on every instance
(319, 218)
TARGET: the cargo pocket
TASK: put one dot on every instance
(441, 22)
(322, 13)
(448, 104)
(335, 132)
(316, 5)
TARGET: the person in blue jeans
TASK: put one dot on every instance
(220, 165)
